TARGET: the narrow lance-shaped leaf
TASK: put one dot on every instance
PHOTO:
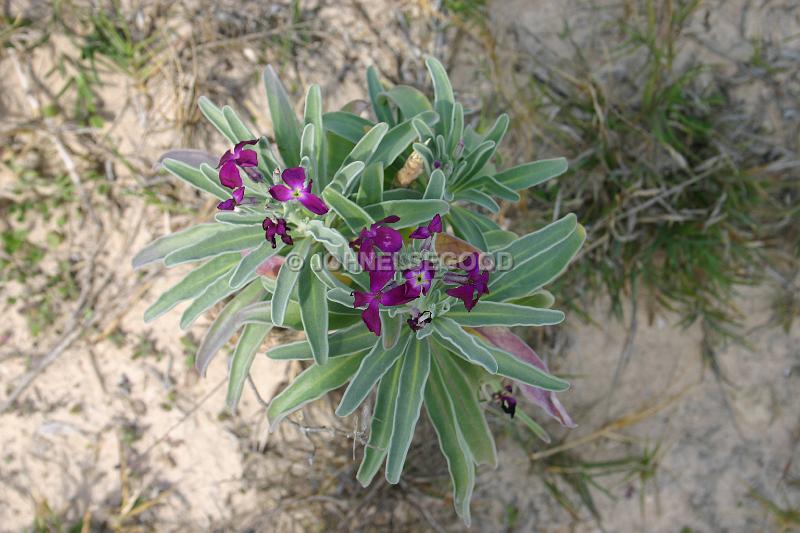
(193, 285)
(343, 342)
(377, 362)
(411, 212)
(196, 178)
(441, 413)
(237, 127)
(214, 293)
(310, 385)
(228, 239)
(513, 367)
(216, 117)
(379, 106)
(353, 215)
(163, 246)
(532, 174)
(463, 344)
(380, 432)
(284, 121)
(311, 294)
(436, 186)
(250, 262)
(505, 314)
(287, 279)
(313, 115)
(469, 416)
(250, 340)
(225, 325)
(414, 375)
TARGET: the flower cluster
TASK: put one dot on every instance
(471, 282)
(295, 186)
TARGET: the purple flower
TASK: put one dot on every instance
(397, 295)
(419, 279)
(277, 228)
(437, 164)
(507, 402)
(472, 284)
(425, 232)
(229, 175)
(505, 340)
(378, 235)
(230, 161)
(298, 190)
(418, 320)
(236, 198)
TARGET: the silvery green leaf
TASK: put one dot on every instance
(443, 93)
(409, 100)
(196, 178)
(248, 264)
(532, 174)
(391, 328)
(427, 156)
(535, 428)
(379, 105)
(376, 363)
(240, 218)
(333, 241)
(411, 212)
(236, 126)
(413, 376)
(347, 176)
(267, 162)
(197, 281)
(424, 333)
(380, 432)
(492, 186)
(487, 313)
(225, 325)
(354, 216)
(313, 115)
(163, 246)
(325, 275)
(541, 298)
(452, 336)
(398, 139)
(228, 239)
(499, 238)
(308, 152)
(214, 293)
(401, 194)
(341, 295)
(498, 130)
(476, 160)
(437, 185)
(250, 340)
(441, 413)
(424, 132)
(346, 125)
(216, 117)
(188, 156)
(287, 279)
(365, 147)
(463, 393)
(456, 132)
(310, 385)
(353, 339)
(371, 189)
(285, 125)
(477, 197)
(311, 294)
(465, 228)
(512, 367)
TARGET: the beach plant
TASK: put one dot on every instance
(404, 291)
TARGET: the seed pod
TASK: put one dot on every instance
(411, 170)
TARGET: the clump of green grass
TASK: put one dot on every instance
(676, 183)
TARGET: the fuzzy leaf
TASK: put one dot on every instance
(414, 375)
(380, 432)
(249, 263)
(163, 246)
(228, 239)
(353, 215)
(451, 335)
(311, 294)
(196, 178)
(347, 341)
(214, 115)
(250, 340)
(285, 125)
(411, 212)
(532, 174)
(505, 314)
(287, 279)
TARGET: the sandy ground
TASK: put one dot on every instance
(120, 418)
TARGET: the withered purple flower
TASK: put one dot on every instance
(507, 402)
(296, 188)
(418, 320)
(277, 228)
(380, 236)
(472, 284)
(381, 292)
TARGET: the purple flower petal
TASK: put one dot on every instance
(436, 225)
(420, 233)
(391, 219)
(388, 239)
(463, 293)
(229, 175)
(294, 177)
(248, 158)
(226, 205)
(227, 156)
(282, 193)
(238, 148)
(372, 318)
(238, 195)
(313, 203)
(398, 296)
(504, 339)
(360, 299)
(379, 277)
